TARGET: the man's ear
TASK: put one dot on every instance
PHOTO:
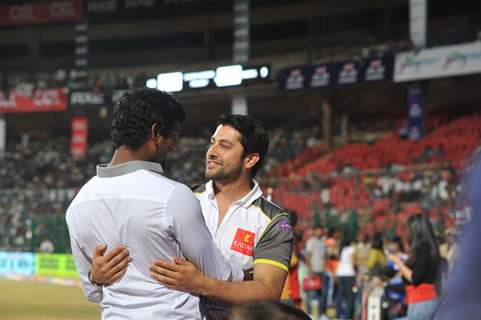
(155, 131)
(251, 160)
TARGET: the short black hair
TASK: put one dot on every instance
(137, 110)
(254, 136)
(377, 241)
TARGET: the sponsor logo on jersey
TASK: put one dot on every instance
(243, 242)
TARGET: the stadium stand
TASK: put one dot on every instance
(381, 178)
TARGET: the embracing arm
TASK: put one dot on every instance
(195, 241)
(184, 276)
(267, 285)
(271, 264)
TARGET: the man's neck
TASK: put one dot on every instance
(233, 190)
(123, 155)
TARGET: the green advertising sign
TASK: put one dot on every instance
(55, 265)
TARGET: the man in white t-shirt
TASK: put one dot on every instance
(130, 203)
(316, 253)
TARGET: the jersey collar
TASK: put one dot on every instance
(107, 171)
(246, 201)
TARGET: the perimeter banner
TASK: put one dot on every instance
(17, 263)
(37, 100)
(55, 265)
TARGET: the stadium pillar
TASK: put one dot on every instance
(326, 124)
(418, 22)
(80, 82)
(418, 36)
(416, 111)
(241, 49)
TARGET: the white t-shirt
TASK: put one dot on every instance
(346, 267)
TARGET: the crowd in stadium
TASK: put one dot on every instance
(372, 177)
(49, 178)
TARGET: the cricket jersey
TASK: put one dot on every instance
(253, 231)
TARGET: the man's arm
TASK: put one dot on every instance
(184, 276)
(195, 241)
(271, 264)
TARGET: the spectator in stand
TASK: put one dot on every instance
(362, 252)
(290, 293)
(332, 255)
(46, 246)
(395, 288)
(376, 260)
(315, 258)
(420, 271)
(346, 277)
(448, 250)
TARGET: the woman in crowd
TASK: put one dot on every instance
(376, 260)
(346, 278)
(421, 269)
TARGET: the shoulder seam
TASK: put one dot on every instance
(273, 204)
(268, 208)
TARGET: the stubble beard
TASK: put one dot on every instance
(222, 174)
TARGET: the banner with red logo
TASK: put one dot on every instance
(243, 242)
(37, 100)
(78, 146)
(41, 12)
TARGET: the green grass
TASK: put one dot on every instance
(42, 301)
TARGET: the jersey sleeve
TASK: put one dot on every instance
(275, 245)
(83, 262)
